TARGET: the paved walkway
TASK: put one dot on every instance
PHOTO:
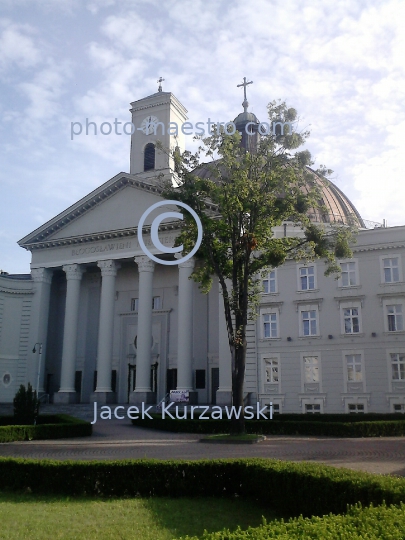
(118, 439)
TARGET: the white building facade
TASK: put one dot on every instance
(111, 325)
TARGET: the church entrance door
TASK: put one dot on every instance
(171, 380)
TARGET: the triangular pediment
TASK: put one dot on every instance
(114, 207)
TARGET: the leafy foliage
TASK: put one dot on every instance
(383, 522)
(26, 405)
(58, 426)
(339, 425)
(241, 197)
(288, 487)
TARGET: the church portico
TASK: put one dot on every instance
(120, 320)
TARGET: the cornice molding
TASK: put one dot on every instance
(100, 236)
(349, 298)
(154, 312)
(378, 247)
(308, 301)
(16, 291)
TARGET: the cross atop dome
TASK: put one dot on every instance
(245, 103)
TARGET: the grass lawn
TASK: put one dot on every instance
(45, 517)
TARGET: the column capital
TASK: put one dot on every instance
(42, 275)
(187, 264)
(144, 264)
(109, 267)
(73, 271)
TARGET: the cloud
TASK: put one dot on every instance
(94, 6)
(17, 48)
(340, 65)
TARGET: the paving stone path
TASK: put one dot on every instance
(118, 439)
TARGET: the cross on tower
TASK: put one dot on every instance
(160, 80)
(245, 103)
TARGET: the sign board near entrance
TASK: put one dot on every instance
(179, 396)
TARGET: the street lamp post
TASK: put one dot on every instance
(34, 350)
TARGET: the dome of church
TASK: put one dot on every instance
(245, 117)
(339, 208)
(247, 124)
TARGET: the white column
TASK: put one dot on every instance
(67, 392)
(42, 278)
(224, 392)
(143, 391)
(103, 393)
(185, 327)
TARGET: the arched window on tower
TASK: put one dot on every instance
(149, 157)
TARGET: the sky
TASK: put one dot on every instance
(340, 64)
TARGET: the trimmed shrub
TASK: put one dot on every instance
(293, 488)
(26, 405)
(58, 426)
(338, 426)
(357, 524)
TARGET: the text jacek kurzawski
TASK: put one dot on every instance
(185, 412)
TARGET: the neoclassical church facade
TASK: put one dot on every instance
(98, 320)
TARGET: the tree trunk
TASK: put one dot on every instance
(238, 376)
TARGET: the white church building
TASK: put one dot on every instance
(108, 324)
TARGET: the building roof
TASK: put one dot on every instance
(339, 207)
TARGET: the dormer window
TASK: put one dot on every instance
(149, 157)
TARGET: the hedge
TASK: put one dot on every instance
(58, 426)
(343, 426)
(357, 524)
(291, 488)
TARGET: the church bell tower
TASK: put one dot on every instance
(158, 117)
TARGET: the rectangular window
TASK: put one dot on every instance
(156, 302)
(270, 325)
(354, 368)
(78, 381)
(134, 304)
(275, 407)
(391, 270)
(348, 275)
(398, 366)
(311, 369)
(271, 370)
(395, 318)
(269, 283)
(307, 278)
(200, 379)
(399, 408)
(114, 380)
(356, 408)
(351, 320)
(312, 408)
(309, 323)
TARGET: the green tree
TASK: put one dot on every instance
(241, 197)
(26, 405)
